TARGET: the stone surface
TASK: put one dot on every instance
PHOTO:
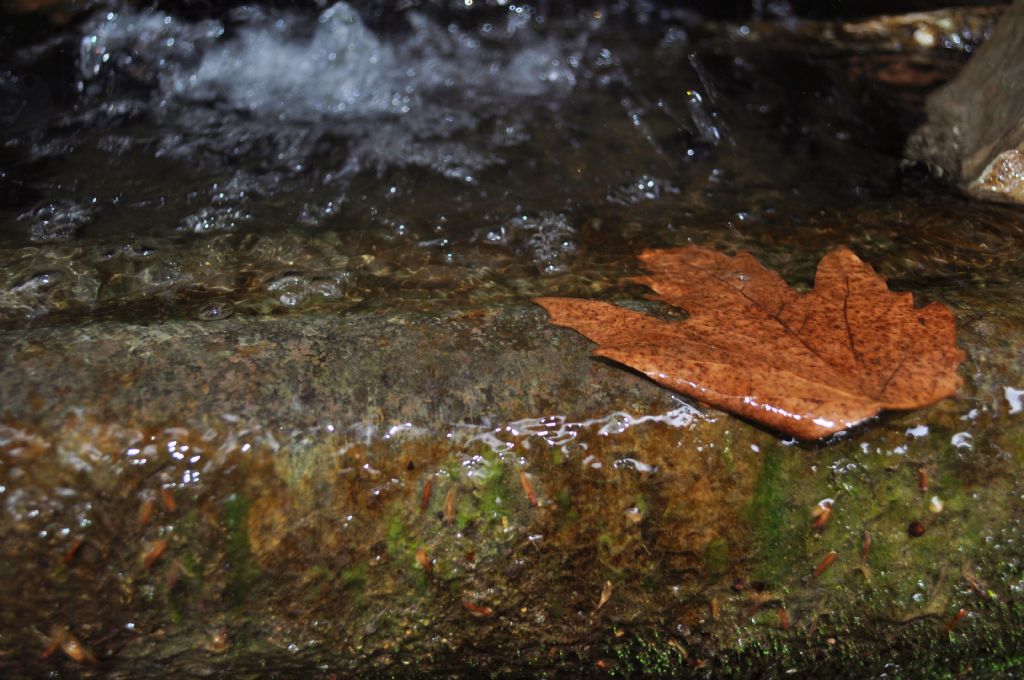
(433, 371)
(470, 490)
(974, 134)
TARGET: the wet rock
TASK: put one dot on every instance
(322, 491)
(957, 29)
(974, 135)
(429, 370)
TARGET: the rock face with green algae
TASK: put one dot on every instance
(472, 493)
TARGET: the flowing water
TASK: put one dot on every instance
(269, 160)
(329, 180)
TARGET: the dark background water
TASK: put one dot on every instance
(265, 158)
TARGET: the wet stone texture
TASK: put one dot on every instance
(973, 135)
(274, 402)
(256, 530)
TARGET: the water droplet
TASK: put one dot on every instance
(38, 282)
(291, 290)
(644, 188)
(214, 311)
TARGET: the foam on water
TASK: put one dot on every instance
(345, 70)
(56, 221)
(1013, 398)
(558, 431)
(273, 79)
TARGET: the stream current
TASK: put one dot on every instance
(273, 160)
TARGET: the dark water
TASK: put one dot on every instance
(271, 160)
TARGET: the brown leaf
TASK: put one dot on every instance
(808, 364)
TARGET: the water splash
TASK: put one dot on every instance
(707, 130)
(548, 239)
(559, 432)
(274, 82)
(56, 221)
(1013, 398)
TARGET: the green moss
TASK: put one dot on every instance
(454, 470)
(716, 557)
(191, 565)
(400, 543)
(920, 649)
(882, 554)
(353, 577)
(464, 514)
(317, 572)
(777, 534)
(649, 656)
(243, 574)
(179, 597)
(59, 573)
(493, 495)
(490, 500)
(402, 546)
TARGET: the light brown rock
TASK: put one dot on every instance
(974, 135)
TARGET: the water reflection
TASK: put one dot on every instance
(436, 164)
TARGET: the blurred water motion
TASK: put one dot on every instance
(272, 160)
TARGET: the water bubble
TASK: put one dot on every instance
(291, 290)
(633, 464)
(329, 287)
(314, 214)
(917, 431)
(56, 221)
(137, 251)
(215, 311)
(497, 236)
(644, 188)
(213, 219)
(38, 283)
(1013, 398)
(548, 239)
(961, 440)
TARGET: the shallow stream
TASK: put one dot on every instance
(323, 217)
(270, 161)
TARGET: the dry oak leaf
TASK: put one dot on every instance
(808, 364)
